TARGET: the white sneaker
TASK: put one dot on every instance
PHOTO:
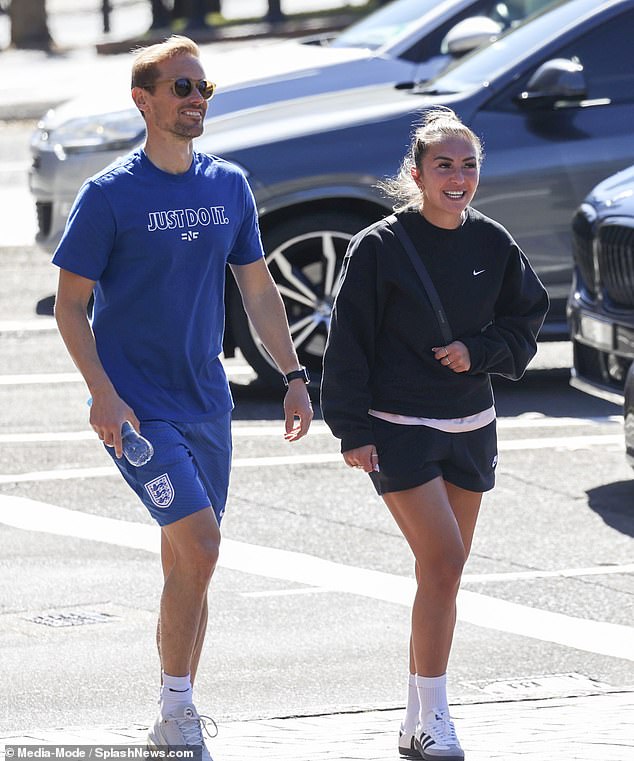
(436, 738)
(183, 727)
(406, 744)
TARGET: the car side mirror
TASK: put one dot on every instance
(557, 82)
(469, 34)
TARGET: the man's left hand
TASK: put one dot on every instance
(298, 410)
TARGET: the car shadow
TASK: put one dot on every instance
(45, 306)
(548, 392)
(615, 504)
(255, 400)
(543, 391)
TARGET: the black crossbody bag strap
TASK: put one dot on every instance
(421, 271)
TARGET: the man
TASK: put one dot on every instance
(152, 235)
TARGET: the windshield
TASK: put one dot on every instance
(485, 64)
(383, 26)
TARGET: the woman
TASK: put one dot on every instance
(415, 411)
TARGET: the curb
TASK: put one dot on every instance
(314, 26)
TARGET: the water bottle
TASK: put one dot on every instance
(136, 449)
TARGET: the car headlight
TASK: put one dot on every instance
(102, 132)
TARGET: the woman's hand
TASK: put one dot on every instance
(455, 356)
(365, 457)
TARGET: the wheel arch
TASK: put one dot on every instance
(346, 204)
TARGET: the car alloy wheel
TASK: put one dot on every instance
(304, 256)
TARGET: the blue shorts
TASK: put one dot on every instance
(188, 472)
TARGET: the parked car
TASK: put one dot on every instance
(405, 41)
(601, 303)
(554, 106)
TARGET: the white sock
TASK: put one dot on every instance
(432, 694)
(412, 709)
(176, 691)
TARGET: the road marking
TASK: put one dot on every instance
(14, 166)
(110, 470)
(39, 378)
(44, 437)
(317, 428)
(532, 420)
(562, 442)
(238, 431)
(286, 592)
(59, 475)
(599, 637)
(569, 443)
(20, 379)
(28, 326)
(23, 227)
(480, 578)
(601, 570)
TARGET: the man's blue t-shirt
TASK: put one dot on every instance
(158, 245)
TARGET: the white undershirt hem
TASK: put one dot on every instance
(449, 425)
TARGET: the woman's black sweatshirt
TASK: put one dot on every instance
(379, 351)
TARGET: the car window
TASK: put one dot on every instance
(507, 14)
(384, 25)
(429, 45)
(605, 75)
(486, 64)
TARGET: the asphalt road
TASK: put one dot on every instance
(310, 604)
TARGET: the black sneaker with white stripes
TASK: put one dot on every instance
(436, 738)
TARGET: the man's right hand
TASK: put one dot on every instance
(108, 412)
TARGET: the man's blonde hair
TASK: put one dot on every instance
(145, 70)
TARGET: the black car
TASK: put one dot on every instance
(629, 415)
(601, 302)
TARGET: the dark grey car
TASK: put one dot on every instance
(553, 101)
(555, 108)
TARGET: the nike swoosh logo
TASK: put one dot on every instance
(477, 272)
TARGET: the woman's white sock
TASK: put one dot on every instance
(432, 694)
(412, 709)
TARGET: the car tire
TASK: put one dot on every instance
(304, 256)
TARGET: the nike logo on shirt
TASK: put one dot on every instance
(477, 272)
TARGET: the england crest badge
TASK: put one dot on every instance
(161, 491)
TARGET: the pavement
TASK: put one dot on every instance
(589, 727)
(33, 81)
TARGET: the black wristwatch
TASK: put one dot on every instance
(301, 373)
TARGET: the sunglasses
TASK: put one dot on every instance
(182, 87)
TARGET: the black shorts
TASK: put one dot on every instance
(411, 455)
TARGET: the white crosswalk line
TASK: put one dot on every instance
(240, 430)
(481, 610)
(569, 443)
